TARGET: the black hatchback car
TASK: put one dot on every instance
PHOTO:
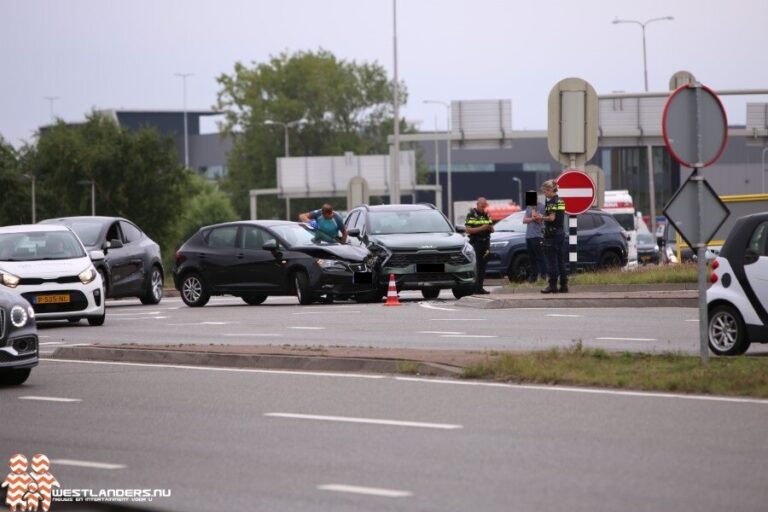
(256, 259)
(18, 339)
(132, 265)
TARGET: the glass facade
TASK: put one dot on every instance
(627, 168)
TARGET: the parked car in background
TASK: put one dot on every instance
(601, 243)
(417, 244)
(48, 265)
(18, 339)
(648, 250)
(132, 267)
(255, 259)
(737, 301)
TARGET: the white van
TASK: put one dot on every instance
(620, 205)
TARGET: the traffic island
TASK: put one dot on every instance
(586, 298)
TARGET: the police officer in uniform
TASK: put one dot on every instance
(479, 228)
(554, 236)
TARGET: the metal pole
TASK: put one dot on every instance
(762, 160)
(701, 256)
(519, 191)
(186, 129)
(450, 151)
(438, 200)
(51, 99)
(34, 209)
(395, 185)
(645, 60)
(93, 198)
(651, 189)
(287, 152)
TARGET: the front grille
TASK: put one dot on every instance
(5, 357)
(77, 302)
(358, 267)
(39, 280)
(404, 259)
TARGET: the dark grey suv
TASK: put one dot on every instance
(18, 339)
(417, 244)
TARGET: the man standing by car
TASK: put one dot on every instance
(554, 236)
(479, 228)
(328, 222)
(534, 241)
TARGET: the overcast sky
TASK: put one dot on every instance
(110, 54)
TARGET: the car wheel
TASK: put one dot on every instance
(609, 259)
(14, 377)
(104, 282)
(193, 291)
(154, 292)
(254, 299)
(518, 269)
(430, 293)
(98, 319)
(462, 292)
(726, 332)
(301, 285)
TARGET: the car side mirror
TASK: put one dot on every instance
(354, 232)
(750, 257)
(96, 255)
(270, 245)
(460, 229)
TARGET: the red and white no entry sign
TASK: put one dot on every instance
(577, 190)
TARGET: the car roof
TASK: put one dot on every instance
(98, 218)
(397, 207)
(30, 228)
(267, 223)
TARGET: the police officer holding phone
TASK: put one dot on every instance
(554, 237)
(479, 228)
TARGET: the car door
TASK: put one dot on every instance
(133, 254)
(257, 269)
(217, 259)
(756, 263)
(586, 238)
(118, 262)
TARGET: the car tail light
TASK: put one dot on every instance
(715, 265)
(179, 257)
(713, 278)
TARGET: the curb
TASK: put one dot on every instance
(261, 361)
(582, 299)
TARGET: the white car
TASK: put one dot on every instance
(49, 266)
(738, 298)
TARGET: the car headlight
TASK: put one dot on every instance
(499, 244)
(87, 275)
(10, 280)
(19, 316)
(330, 264)
(469, 252)
(31, 312)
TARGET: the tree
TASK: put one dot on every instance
(16, 203)
(346, 106)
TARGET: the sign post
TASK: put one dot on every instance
(577, 190)
(695, 131)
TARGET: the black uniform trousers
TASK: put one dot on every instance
(553, 249)
(482, 249)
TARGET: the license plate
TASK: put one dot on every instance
(52, 299)
(645, 258)
(362, 278)
(430, 267)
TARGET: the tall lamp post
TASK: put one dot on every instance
(651, 185)
(31, 177)
(51, 99)
(183, 77)
(289, 124)
(449, 151)
(519, 191)
(92, 183)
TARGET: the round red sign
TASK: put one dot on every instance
(577, 190)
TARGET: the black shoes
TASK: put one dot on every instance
(482, 291)
(563, 289)
(549, 289)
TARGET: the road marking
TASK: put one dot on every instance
(468, 336)
(439, 332)
(370, 421)
(692, 320)
(427, 305)
(253, 335)
(370, 491)
(50, 399)
(564, 316)
(306, 328)
(87, 464)
(205, 323)
(457, 319)
(52, 342)
(135, 313)
(627, 339)
(321, 312)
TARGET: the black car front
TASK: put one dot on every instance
(342, 270)
(18, 339)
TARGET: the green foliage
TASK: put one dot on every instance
(347, 106)
(16, 204)
(207, 206)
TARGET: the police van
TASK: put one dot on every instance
(619, 204)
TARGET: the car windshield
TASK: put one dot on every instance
(645, 238)
(300, 234)
(40, 245)
(512, 222)
(408, 221)
(88, 231)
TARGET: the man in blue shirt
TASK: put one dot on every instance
(328, 222)
(534, 240)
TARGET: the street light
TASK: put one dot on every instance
(643, 24)
(449, 151)
(92, 183)
(186, 131)
(31, 177)
(290, 124)
(51, 99)
(519, 191)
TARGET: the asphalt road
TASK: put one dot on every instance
(438, 324)
(259, 440)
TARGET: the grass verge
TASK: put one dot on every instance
(669, 372)
(651, 274)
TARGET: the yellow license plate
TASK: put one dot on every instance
(52, 299)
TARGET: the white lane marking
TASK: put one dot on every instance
(205, 323)
(78, 345)
(564, 316)
(306, 328)
(133, 318)
(46, 352)
(439, 332)
(87, 464)
(253, 335)
(692, 320)
(220, 369)
(427, 305)
(590, 391)
(136, 313)
(50, 399)
(53, 342)
(468, 336)
(320, 312)
(627, 339)
(457, 319)
(370, 491)
(42, 337)
(370, 421)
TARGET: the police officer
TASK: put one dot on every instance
(479, 228)
(554, 236)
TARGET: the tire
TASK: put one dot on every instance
(98, 319)
(462, 292)
(194, 292)
(726, 332)
(153, 293)
(430, 293)
(301, 285)
(518, 269)
(254, 299)
(609, 259)
(14, 377)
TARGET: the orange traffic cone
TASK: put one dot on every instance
(392, 299)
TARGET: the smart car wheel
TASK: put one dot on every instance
(193, 291)
(301, 285)
(609, 259)
(154, 289)
(14, 377)
(727, 334)
(430, 293)
(518, 269)
(254, 299)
